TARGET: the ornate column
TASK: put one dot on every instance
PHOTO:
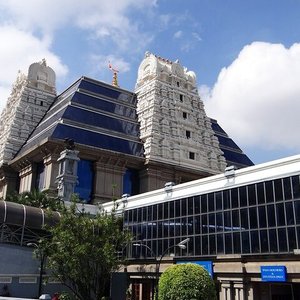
(67, 176)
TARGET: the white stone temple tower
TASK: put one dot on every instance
(173, 123)
(28, 102)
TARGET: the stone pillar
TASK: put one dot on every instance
(235, 290)
(226, 290)
(8, 181)
(67, 176)
(51, 172)
(26, 179)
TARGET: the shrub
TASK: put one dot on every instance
(186, 282)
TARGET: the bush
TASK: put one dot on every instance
(186, 282)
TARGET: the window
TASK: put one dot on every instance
(85, 174)
(191, 155)
(181, 97)
(188, 134)
(178, 83)
(184, 115)
(40, 175)
(131, 182)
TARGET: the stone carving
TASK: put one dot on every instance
(30, 97)
(165, 90)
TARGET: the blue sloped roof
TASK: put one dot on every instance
(92, 113)
(232, 152)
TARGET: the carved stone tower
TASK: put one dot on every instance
(173, 123)
(28, 102)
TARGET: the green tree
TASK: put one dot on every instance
(35, 198)
(83, 251)
(186, 282)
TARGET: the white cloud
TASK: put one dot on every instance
(102, 17)
(18, 50)
(196, 36)
(177, 34)
(257, 97)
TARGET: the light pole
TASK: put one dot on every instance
(181, 245)
(42, 259)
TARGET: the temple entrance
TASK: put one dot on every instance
(142, 289)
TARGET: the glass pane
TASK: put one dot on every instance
(219, 204)
(280, 214)
(254, 241)
(296, 187)
(228, 243)
(166, 210)
(278, 190)
(220, 244)
(287, 188)
(292, 239)
(177, 227)
(245, 242)
(183, 207)
(297, 211)
(260, 193)
(211, 202)
(191, 205)
(219, 222)
(244, 219)
(197, 225)
(236, 220)
(197, 245)
(289, 213)
(253, 217)
(203, 203)
(85, 173)
(160, 211)
(204, 245)
(212, 244)
(226, 199)
(177, 208)
(273, 240)
(243, 196)
(269, 191)
(227, 220)
(236, 242)
(183, 226)
(197, 205)
(262, 216)
(149, 213)
(264, 244)
(190, 226)
(251, 194)
(211, 223)
(282, 240)
(204, 223)
(271, 215)
(234, 198)
(171, 209)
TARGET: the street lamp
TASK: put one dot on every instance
(42, 260)
(181, 245)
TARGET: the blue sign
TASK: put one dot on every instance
(207, 265)
(273, 273)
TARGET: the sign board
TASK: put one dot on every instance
(273, 273)
(207, 265)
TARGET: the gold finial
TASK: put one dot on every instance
(115, 75)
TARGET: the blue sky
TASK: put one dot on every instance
(246, 55)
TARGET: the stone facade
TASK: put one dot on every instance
(173, 123)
